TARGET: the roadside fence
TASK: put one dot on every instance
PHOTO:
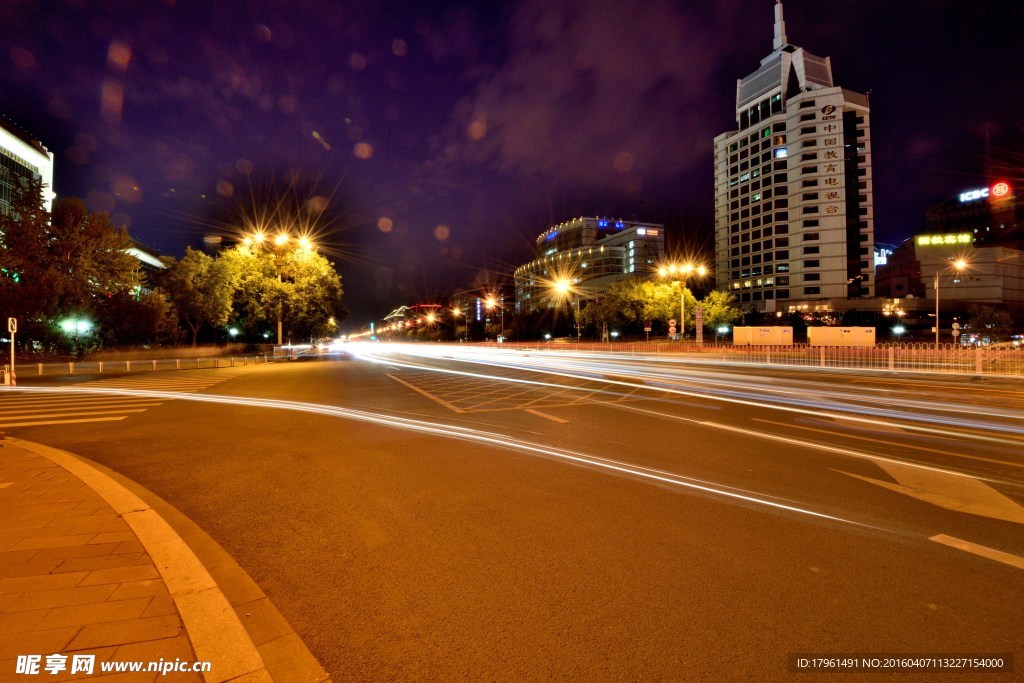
(920, 358)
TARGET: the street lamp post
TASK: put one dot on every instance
(679, 274)
(957, 266)
(491, 302)
(281, 242)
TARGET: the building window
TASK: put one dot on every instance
(808, 169)
(812, 250)
(809, 156)
(809, 183)
(810, 236)
(811, 209)
(812, 290)
(811, 223)
(807, 117)
(807, 104)
(782, 241)
(813, 263)
(812, 277)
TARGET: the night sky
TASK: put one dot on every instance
(440, 138)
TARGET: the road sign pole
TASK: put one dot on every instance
(12, 327)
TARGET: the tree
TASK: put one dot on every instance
(719, 308)
(59, 264)
(986, 321)
(632, 301)
(313, 307)
(148, 318)
(298, 284)
(201, 289)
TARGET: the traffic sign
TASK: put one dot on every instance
(672, 322)
(956, 326)
(12, 325)
(647, 328)
(671, 329)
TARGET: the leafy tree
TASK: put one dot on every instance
(313, 307)
(719, 308)
(629, 302)
(987, 321)
(59, 264)
(149, 318)
(299, 285)
(201, 288)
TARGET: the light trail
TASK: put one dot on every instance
(468, 434)
(788, 400)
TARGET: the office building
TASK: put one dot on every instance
(794, 221)
(589, 254)
(21, 156)
(993, 214)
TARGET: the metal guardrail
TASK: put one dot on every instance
(918, 358)
(24, 371)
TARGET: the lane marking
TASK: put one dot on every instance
(446, 404)
(947, 491)
(546, 416)
(889, 443)
(62, 422)
(979, 550)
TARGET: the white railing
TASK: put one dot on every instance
(25, 371)
(920, 358)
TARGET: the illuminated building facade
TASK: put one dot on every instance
(994, 275)
(993, 214)
(589, 253)
(794, 217)
(23, 157)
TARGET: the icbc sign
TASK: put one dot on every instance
(1000, 189)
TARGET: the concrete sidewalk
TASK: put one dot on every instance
(88, 566)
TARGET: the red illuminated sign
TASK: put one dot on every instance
(1000, 189)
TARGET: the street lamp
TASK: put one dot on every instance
(562, 288)
(75, 327)
(679, 273)
(279, 245)
(956, 267)
(490, 303)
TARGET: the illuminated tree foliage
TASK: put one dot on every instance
(719, 308)
(64, 263)
(298, 284)
(201, 288)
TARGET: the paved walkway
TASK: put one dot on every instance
(87, 567)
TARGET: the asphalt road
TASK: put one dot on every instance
(498, 515)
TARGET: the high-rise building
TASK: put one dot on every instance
(794, 223)
(21, 156)
(588, 254)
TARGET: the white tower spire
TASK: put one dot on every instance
(780, 27)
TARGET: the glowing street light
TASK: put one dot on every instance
(490, 302)
(679, 273)
(75, 327)
(957, 266)
(279, 243)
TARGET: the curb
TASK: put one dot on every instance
(211, 620)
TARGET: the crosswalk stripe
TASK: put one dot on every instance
(83, 400)
(75, 414)
(61, 422)
(131, 407)
(71, 407)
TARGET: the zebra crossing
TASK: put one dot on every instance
(72, 406)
